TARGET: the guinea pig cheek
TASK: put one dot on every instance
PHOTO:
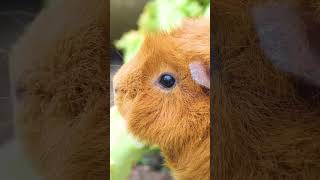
(126, 102)
(123, 100)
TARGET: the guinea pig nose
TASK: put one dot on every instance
(116, 90)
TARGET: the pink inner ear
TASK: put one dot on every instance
(200, 74)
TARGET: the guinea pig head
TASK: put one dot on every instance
(163, 92)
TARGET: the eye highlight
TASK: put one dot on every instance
(167, 81)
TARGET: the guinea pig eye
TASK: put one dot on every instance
(167, 81)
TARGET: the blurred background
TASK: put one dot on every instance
(15, 15)
(130, 21)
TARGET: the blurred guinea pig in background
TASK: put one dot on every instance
(164, 94)
(267, 116)
(60, 82)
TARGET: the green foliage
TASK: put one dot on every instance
(124, 149)
(164, 14)
(160, 15)
(130, 44)
(207, 12)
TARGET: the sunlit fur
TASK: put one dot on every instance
(59, 70)
(263, 128)
(178, 119)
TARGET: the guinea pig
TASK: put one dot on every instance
(164, 95)
(267, 125)
(60, 90)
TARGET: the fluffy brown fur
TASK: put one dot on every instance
(177, 120)
(264, 128)
(58, 69)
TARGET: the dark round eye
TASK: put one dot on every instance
(167, 81)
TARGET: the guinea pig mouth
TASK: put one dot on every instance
(123, 112)
(122, 107)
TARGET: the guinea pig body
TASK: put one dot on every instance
(58, 72)
(160, 95)
(264, 128)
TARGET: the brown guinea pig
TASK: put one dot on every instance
(163, 93)
(267, 118)
(60, 82)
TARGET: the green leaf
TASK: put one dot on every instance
(207, 11)
(130, 44)
(125, 150)
(160, 15)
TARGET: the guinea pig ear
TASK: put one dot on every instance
(289, 38)
(200, 73)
